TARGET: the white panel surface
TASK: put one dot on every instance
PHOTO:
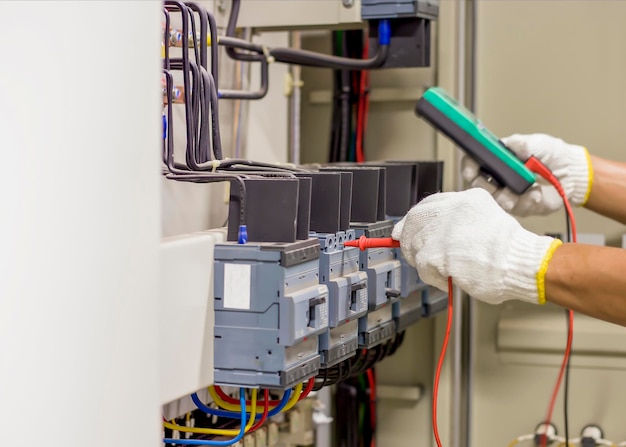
(80, 125)
(186, 317)
(289, 13)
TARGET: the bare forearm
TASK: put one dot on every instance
(608, 190)
(590, 280)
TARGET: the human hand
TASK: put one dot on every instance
(569, 163)
(467, 236)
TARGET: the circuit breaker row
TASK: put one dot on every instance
(292, 300)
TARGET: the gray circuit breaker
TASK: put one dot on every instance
(269, 310)
(348, 300)
(383, 276)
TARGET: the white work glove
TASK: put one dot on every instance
(467, 236)
(569, 163)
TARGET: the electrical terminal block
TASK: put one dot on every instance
(269, 312)
(348, 300)
(249, 441)
(272, 435)
(260, 437)
(383, 284)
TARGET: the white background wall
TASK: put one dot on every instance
(556, 67)
(79, 228)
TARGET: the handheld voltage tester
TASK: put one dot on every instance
(462, 127)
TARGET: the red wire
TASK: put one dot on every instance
(440, 365)
(539, 168)
(372, 383)
(307, 389)
(266, 408)
(226, 398)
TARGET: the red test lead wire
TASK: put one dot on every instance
(363, 243)
(540, 169)
(442, 356)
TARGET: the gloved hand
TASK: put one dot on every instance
(466, 235)
(569, 163)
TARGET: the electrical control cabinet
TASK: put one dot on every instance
(269, 310)
(348, 300)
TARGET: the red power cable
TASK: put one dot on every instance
(539, 168)
(307, 390)
(442, 356)
(266, 408)
(363, 243)
(231, 400)
(362, 109)
(371, 379)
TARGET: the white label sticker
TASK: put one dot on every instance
(237, 286)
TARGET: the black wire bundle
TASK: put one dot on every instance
(347, 426)
(346, 97)
(355, 366)
(201, 112)
(355, 407)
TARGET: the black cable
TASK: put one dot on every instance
(567, 365)
(346, 121)
(335, 131)
(166, 40)
(311, 59)
(173, 5)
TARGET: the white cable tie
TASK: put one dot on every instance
(268, 57)
(216, 164)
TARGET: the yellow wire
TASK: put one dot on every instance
(514, 443)
(233, 407)
(216, 431)
(294, 398)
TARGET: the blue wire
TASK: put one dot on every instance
(242, 429)
(281, 405)
(230, 414)
(384, 32)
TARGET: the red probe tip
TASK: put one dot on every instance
(363, 243)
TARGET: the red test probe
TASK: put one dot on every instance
(363, 243)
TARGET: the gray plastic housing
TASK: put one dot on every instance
(388, 9)
(409, 310)
(382, 268)
(347, 285)
(383, 285)
(339, 344)
(434, 301)
(376, 327)
(348, 299)
(269, 311)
